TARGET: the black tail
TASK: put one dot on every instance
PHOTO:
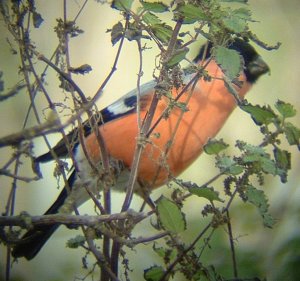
(34, 239)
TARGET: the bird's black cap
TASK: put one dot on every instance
(254, 66)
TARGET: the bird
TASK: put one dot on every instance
(193, 115)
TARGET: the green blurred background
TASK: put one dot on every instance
(272, 253)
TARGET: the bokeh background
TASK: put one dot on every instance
(272, 253)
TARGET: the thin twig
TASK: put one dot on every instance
(234, 263)
(174, 131)
(182, 92)
(103, 263)
(20, 178)
(63, 74)
(15, 90)
(184, 253)
(138, 85)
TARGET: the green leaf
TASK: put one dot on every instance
(236, 20)
(163, 32)
(235, 170)
(190, 13)
(116, 32)
(251, 158)
(167, 254)
(76, 242)
(214, 146)
(206, 192)
(153, 273)
(268, 220)
(268, 165)
(253, 149)
(37, 19)
(228, 165)
(262, 161)
(134, 33)
(177, 57)
(260, 114)
(224, 163)
(257, 154)
(170, 216)
(285, 109)
(122, 5)
(292, 134)
(151, 19)
(283, 158)
(160, 251)
(283, 162)
(229, 61)
(155, 7)
(259, 199)
(242, 13)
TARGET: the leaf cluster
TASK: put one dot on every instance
(244, 175)
(215, 20)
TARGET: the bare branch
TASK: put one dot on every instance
(20, 178)
(233, 255)
(50, 126)
(21, 220)
(15, 90)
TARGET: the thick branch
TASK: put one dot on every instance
(22, 220)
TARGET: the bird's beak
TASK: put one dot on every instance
(258, 67)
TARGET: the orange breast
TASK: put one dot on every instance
(209, 106)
